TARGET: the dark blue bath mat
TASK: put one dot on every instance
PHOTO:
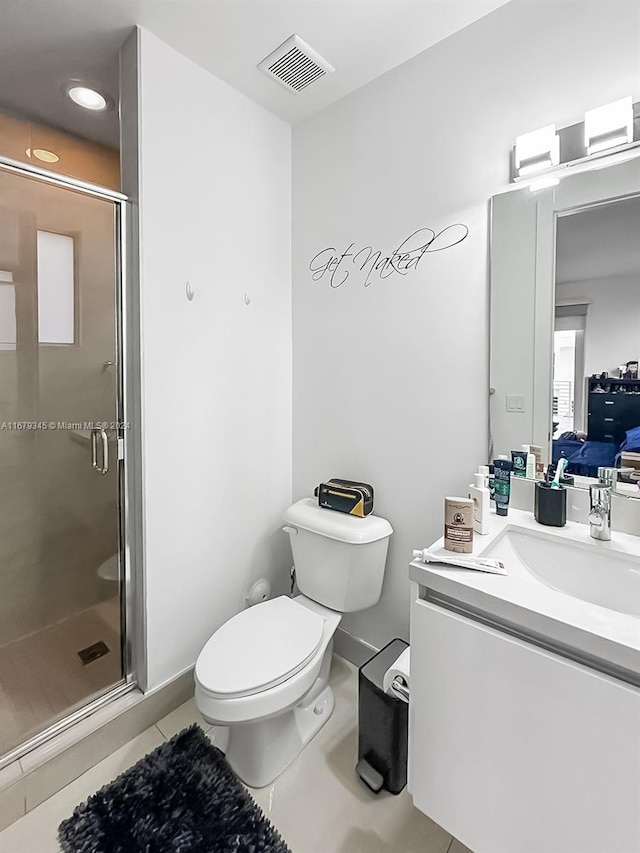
(181, 798)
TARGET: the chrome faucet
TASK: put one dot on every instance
(611, 477)
(600, 512)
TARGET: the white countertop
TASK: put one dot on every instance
(520, 600)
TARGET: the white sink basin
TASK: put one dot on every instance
(564, 590)
(587, 571)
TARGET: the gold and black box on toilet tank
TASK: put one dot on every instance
(345, 496)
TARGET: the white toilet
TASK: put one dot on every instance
(264, 674)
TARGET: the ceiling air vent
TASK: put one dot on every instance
(295, 65)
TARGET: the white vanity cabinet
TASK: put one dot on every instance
(514, 749)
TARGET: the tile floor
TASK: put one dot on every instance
(318, 804)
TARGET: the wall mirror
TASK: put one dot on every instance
(565, 321)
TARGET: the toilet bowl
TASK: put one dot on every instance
(264, 674)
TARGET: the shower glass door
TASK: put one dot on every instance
(60, 568)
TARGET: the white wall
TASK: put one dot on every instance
(612, 334)
(215, 205)
(390, 382)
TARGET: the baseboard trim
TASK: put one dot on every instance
(353, 649)
(44, 771)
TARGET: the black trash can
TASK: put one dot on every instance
(383, 724)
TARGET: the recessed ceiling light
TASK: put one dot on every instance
(42, 154)
(87, 98)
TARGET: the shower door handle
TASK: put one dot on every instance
(105, 452)
(94, 450)
(104, 468)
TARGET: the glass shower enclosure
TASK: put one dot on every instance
(61, 569)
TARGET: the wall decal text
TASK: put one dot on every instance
(368, 264)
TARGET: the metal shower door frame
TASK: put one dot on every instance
(129, 448)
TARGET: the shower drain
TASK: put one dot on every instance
(91, 653)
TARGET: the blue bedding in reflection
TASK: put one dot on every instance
(585, 457)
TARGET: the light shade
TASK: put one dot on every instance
(537, 150)
(87, 98)
(608, 126)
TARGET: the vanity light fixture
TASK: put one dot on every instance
(610, 131)
(85, 97)
(609, 126)
(537, 151)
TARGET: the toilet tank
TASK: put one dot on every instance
(339, 558)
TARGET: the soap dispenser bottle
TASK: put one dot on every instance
(479, 494)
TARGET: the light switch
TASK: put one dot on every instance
(515, 403)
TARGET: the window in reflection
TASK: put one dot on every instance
(7, 311)
(56, 289)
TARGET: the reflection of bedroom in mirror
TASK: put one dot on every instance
(596, 341)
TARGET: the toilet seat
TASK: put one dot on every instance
(259, 648)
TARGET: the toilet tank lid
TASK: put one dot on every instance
(307, 515)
